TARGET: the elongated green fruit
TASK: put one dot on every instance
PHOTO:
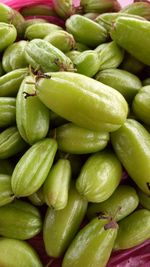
(127, 33)
(6, 194)
(33, 167)
(122, 202)
(131, 64)
(76, 140)
(56, 185)
(83, 101)
(65, 8)
(8, 35)
(19, 251)
(40, 30)
(57, 236)
(10, 82)
(140, 9)
(132, 146)
(92, 246)
(144, 199)
(105, 170)
(37, 10)
(133, 230)
(97, 6)
(7, 111)
(37, 198)
(10, 143)
(32, 117)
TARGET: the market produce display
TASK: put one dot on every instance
(74, 134)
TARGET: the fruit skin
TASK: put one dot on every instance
(97, 6)
(121, 203)
(37, 198)
(92, 246)
(86, 31)
(65, 8)
(20, 252)
(26, 180)
(127, 33)
(131, 144)
(6, 194)
(57, 236)
(8, 35)
(10, 82)
(139, 9)
(56, 185)
(99, 176)
(20, 220)
(144, 199)
(32, 117)
(11, 142)
(123, 81)
(133, 230)
(76, 140)
(131, 64)
(40, 30)
(86, 102)
(7, 111)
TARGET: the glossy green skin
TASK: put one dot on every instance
(38, 51)
(123, 81)
(87, 63)
(57, 236)
(57, 184)
(91, 15)
(40, 30)
(81, 47)
(97, 6)
(62, 40)
(32, 117)
(10, 82)
(133, 230)
(141, 104)
(140, 9)
(146, 82)
(131, 40)
(6, 166)
(18, 251)
(73, 54)
(37, 198)
(86, 31)
(10, 142)
(86, 102)
(105, 170)
(121, 203)
(7, 111)
(32, 21)
(92, 246)
(132, 146)
(1, 69)
(110, 55)
(65, 8)
(144, 200)
(8, 34)
(26, 180)
(20, 220)
(14, 57)
(37, 10)
(131, 64)
(6, 194)
(76, 140)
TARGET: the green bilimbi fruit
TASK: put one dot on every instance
(140, 9)
(121, 203)
(136, 160)
(97, 6)
(80, 47)
(32, 169)
(14, 56)
(6, 166)
(32, 21)
(6, 194)
(56, 185)
(7, 111)
(11, 143)
(32, 117)
(62, 40)
(86, 102)
(131, 40)
(8, 34)
(144, 200)
(110, 55)
(92, 245)
(10, 82)
(40, 30)
(37, 198)
(40, 54)
(99, 176)
(86, 31)
(131, 64)
(20, 220)
(76, 140)
(60, 226)
(87, 63)
(141, 104)
(73, 54)
(66, 8)
(91, 15)
(20, 252)
(123, 81)
(133, 230)
(35, 10)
